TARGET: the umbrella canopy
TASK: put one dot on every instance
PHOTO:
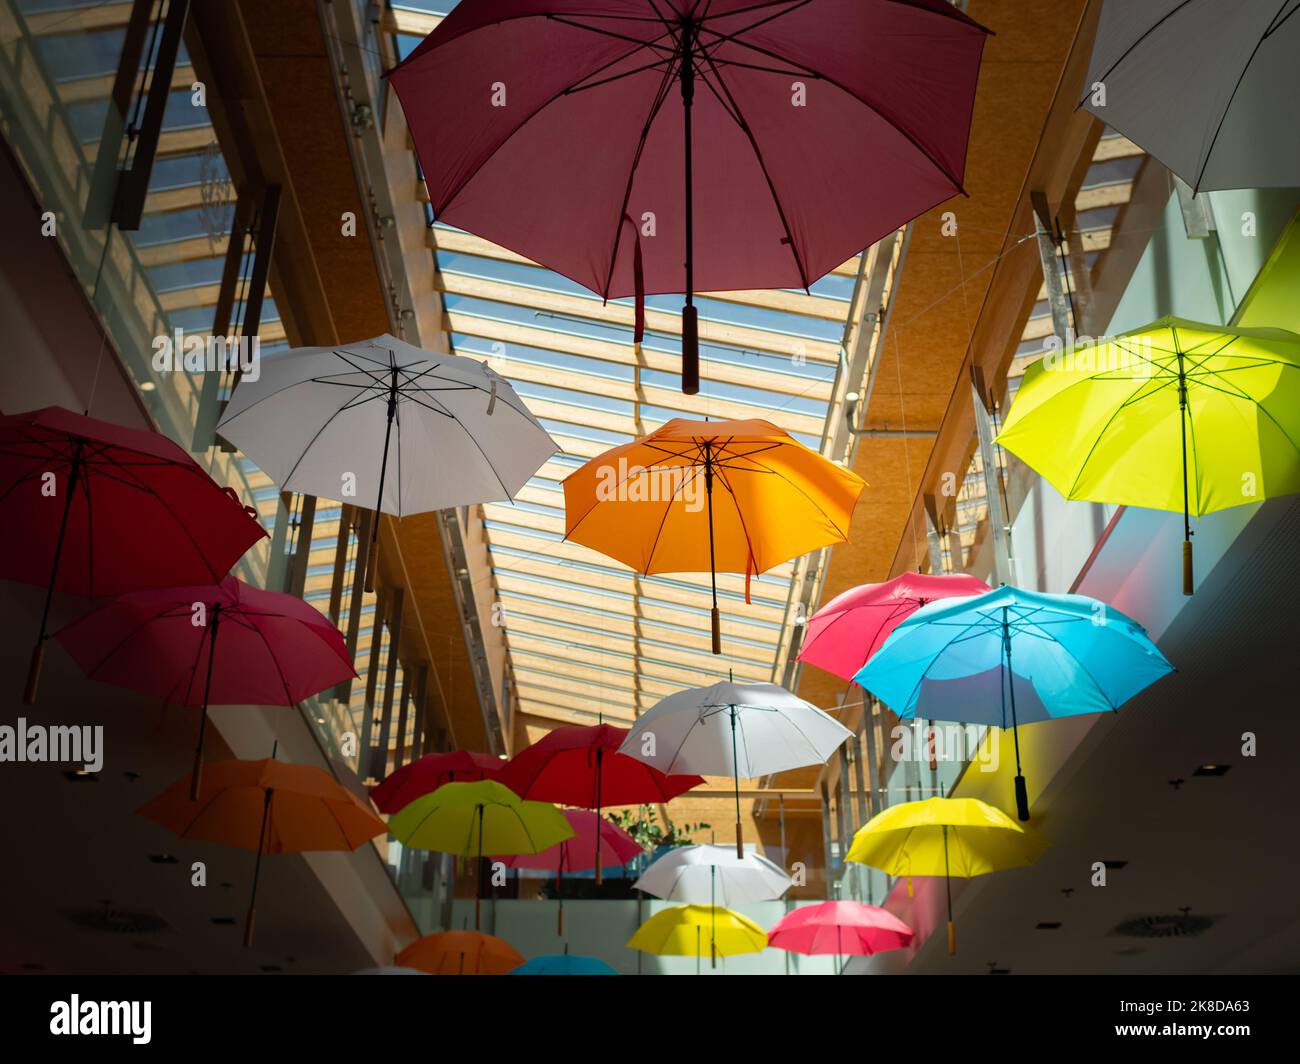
(1205, 86)
(688, 930)
(710, 496)
(386, 426)
(564, 964)
(685, 145)
(473, 819)
(1011, 657)
(469, 819)
(844, 633)
(839, 927)
(578, 853)
(461, 953)
(426, 774)
(92, 508)
(944, 837)
(749, 729)
(583, 766)
(269, 807)
(1174, 416)
(221, 645)
(713, 874)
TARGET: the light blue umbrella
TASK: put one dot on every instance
(1010, 657)
(564, 964)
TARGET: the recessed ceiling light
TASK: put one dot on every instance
(1048, 925)
(1114, 866)
(223, 921)
(162, 858)
(80, 775)
(1211, 770)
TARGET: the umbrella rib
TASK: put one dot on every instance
(302, 457)
(740, 516)
(739, 117)
(230, 419)
(142, 486)
(660, 96)
(829, 520)
(1134, 46)
(957, 185)
(1096, 442)
(451, 197)
(1245, 69)
(474, 440)
(663, 521)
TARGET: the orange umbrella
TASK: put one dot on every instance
(267, 806)
(710, 496)
(460, 953)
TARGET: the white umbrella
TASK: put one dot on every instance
(713, 875)
(387, 426)
(1205, 86)
(734, 729)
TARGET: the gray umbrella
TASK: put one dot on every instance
(1209, 87)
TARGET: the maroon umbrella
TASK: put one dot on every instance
(582, 767)
(272, 649)
(426, 774)
(656, 146)
(92, 508)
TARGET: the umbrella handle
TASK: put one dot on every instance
(690, 350)
(1187, 567)
(372, 554)
(34, 673)
(952, 940)
(717, 631)
(1022, 798)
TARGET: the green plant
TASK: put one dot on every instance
(649, 832)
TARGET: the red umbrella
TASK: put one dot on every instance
(756, 143)
(426, 774)
(582, 767)
(92, 508)
(839, 927)
(844, 633)
(591, 831)
(274, 649)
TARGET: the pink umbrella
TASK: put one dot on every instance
(578, 854)
(659, 146)
(844, 633)
(839, 927)
(426, 774)
(273, 649)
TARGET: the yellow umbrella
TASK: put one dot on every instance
(693, 930)
(944, 837)
(1175, 416)
(710, 497)
(473, 819)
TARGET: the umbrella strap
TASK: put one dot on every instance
(638, 280)
(250, 510)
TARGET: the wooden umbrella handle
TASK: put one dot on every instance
(717, 631)
(1187, 567)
